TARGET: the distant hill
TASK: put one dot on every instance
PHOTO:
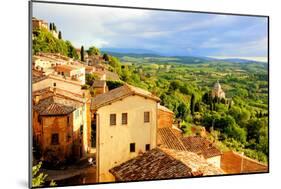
(239, 60)
(177, 59)
(128, 51)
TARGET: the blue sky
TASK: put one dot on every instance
(166, 33)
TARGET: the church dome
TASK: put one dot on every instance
(217, 86)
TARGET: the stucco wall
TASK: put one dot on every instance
(113, 142)
(52, 125)
(216, 161)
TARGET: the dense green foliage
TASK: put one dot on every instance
(44, 41)
(93, 51)
(240, 121)
(38, 179)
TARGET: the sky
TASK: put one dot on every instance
(162, 32)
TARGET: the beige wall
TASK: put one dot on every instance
(42, 64)
(61, 84)
(80, 74)
(216, 161)
(113, 142)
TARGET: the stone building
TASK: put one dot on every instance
(41, 82)
(74, 72)
(217, 91)
(39, 24)
(126, 122)
(61, 125)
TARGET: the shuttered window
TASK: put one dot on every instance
(146, 117)
(112, 119)
(124, 118)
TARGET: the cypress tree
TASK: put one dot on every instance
(60, 37)
(192, 104)
(54, 27)
(82, 53)
(50, 26)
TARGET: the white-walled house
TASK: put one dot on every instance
(126, 126)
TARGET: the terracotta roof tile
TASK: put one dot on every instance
(169, 138)
(163, 108)
(200, 146)
(54, 105)
(195, 162)
(154, 164)
(120, 93)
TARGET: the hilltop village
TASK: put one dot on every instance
(119, 133)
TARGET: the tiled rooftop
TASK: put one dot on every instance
(120, 93)
(154, 164)
(171, 138)
(195, 162)
(200, 146)
(163, 163)
(55, 105)
(163, 108)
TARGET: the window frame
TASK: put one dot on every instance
(126, 122)
(144, 117)
(110, 121)
(132, 147)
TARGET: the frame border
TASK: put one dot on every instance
(30, 14)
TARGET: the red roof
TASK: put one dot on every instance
(154, 164)
(200, 146)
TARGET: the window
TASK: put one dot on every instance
(54, 84)
(55, 139)
(147, 147)
(124, 118)
(132, 147)
(81, 130)
(112, 119)
(68, 121)
(146, 117)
